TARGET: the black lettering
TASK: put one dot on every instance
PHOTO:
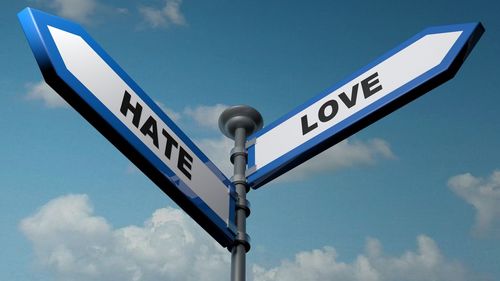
(305, 125)
(322, 114)
(150, 128)
(170, 142)
(368, 84)
(136, 111)
(352, 101)
(185, 160)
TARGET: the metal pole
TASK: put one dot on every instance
(238, 122)
(239, 250)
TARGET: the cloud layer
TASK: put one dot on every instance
(87, 11)
(484, 195)
(169, 14)
(426, 263)
(206, 115)
(78, 10)
(218, 150)
(41, 91)
(347, 153)
(74, 244)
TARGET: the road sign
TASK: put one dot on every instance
(420, 64)
(77, 68)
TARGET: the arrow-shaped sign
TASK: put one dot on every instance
(418, 65)
(77, 68)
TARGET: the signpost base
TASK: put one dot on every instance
(237, 123)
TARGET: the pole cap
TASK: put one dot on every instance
(240, 116)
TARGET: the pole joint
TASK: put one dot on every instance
(244, 205)
(242, 239)
(239, 179)
(238, 151)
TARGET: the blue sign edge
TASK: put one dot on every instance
(471, 32)
(34, 23)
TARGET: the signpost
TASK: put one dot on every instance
(77, 68)
(420, 64)
(74, 65)
(237, 123)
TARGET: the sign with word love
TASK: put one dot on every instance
(420, 64)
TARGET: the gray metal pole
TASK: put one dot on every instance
(238, 122)
(239, 250)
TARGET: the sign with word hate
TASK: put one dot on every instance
(79, 70)
(420, 64)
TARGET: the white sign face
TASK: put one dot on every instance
(93, 72)
(276, 148)
(365, 89)
(80, 71)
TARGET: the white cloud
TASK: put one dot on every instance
(206, 115)
(484, 195)
(74, 244)
(73, 9)
(345, 154)
(426, 263)
(132, 169)
(122, 11)
(218, 150)
(175, 116)
(169, 14)
(203, 116)
(42, 91)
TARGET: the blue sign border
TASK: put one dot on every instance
(35, 24)
(471, 32)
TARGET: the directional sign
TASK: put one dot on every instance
(418, 65)
(77, 68)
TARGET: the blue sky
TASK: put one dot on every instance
(415, 196)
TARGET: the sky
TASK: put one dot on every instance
(415, 196)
